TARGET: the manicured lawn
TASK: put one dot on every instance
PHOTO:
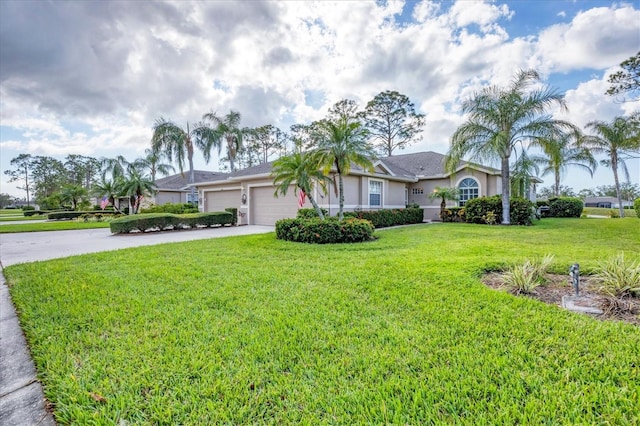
(10, 218)
(51, 226)
(251, 330)
(598, 211)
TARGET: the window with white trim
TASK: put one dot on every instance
(468, 189)
(375, 193)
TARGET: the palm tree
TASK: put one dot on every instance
(303, 168)
(343, 143)
(499, 118)
(562, 152)
(227, 128)
(444, 194)
(74, 194)
(114, 167)
(619, 140)
(109, 189)
(176, 143)
(152, 161)
(522, 171)
(136, 186)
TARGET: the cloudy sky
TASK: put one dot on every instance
(92, 77)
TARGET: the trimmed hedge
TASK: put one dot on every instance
(168, 221)
(477, 209)
(234, 215)
(66, 215)
(389, 217)
(28, 213)
(565, 207)
(311, 213)
(175, 208)
(328, 231)
(636, 206)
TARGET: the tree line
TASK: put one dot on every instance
(502, 125)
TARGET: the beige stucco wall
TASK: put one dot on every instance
(164, 197)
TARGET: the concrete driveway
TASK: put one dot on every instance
(21, 398)
(33, 246)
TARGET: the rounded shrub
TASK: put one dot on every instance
(565, 207)
(311, 213)
(477, 210)
(328, 231)
(24, 208)
(636, 206)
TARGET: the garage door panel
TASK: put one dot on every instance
(267, 209)
(217, 201)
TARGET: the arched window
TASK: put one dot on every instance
(468, 190)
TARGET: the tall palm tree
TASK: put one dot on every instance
(563, 151)
(152, 161)
(178, 144)
(499, 118)
(136, 186)
(114, 167)
(227, 128)
(343, 142)
(303, 168)
(619, 140)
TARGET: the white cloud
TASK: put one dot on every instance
(596, 38)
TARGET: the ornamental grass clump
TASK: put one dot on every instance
(523, 279)
(619, 278)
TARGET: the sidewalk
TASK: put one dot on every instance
(22, 401)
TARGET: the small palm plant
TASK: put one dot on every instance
(523, 279)
(619, 278)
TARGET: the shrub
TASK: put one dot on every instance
(389, 217)
(454, 214)
(523, 279)
(477, 210)
(168, 221)
(565, 207)
(614, 214)
(234, 215)
(65, 215)
(619, 278)
(328, 231)
(28, 213)
(311, 213)
(25, 208)
(636, 206)
(175, 208)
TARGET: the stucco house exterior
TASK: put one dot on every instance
(395, 182)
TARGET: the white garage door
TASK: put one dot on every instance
(266, 209)
(217, 201)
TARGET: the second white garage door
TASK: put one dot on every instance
(266, 209)
(217, 201)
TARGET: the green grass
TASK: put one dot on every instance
(599, 211)
(51, 226)
(251, 330)
(7, 218)
(10, 212)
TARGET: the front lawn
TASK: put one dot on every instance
(252, 330)
(50, 226)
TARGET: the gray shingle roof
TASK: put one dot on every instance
(427, 164)
(180, 182)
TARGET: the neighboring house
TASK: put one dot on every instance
(395, 183)
(176, 189)
(606, 202)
